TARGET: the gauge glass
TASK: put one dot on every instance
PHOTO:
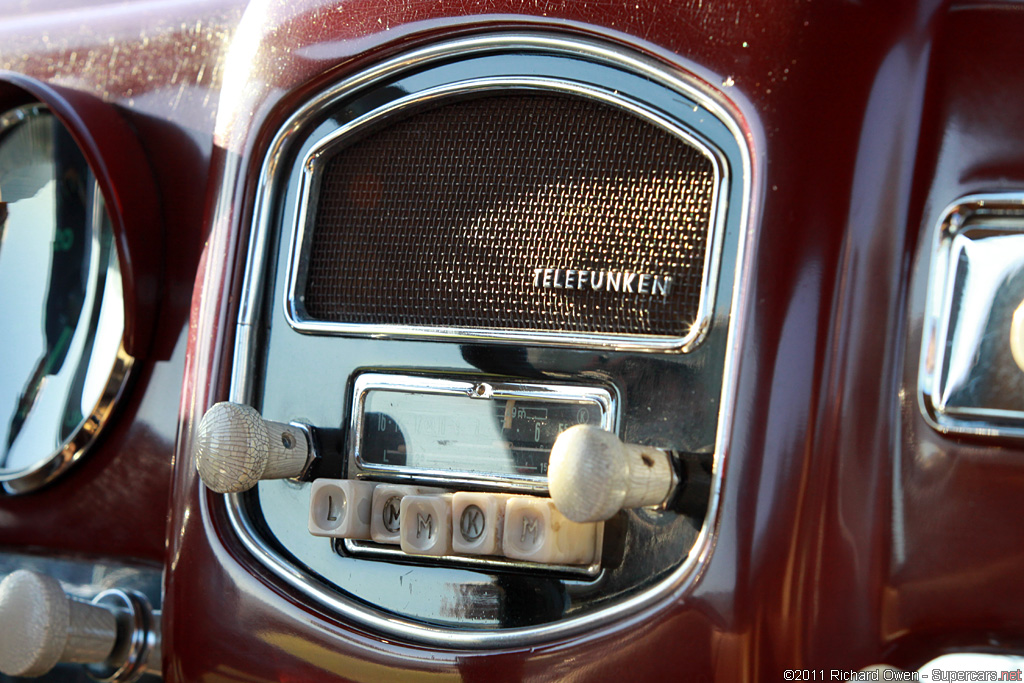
(61, 301)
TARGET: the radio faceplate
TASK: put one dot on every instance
(338, 381)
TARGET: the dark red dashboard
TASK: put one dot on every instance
(850, 532)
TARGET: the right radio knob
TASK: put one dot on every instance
(592, 475)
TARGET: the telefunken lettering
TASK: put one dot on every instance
(607, 280)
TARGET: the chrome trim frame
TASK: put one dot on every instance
(138, 648)
(955, 219)
(333, 143)
(558, 393)
(13, 117)
(77, 445)
(675, 585)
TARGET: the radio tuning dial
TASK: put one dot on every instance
(592, 474)
(235, 448)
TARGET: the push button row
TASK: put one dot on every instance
(429, 521)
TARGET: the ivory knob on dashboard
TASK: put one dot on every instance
(235, 448)
(43, 626)
(592, 474)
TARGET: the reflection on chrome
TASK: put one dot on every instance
(61, 306)
(968, 379)
(983, 270)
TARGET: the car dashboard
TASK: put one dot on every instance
(507, 341)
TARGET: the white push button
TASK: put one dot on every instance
(477, 522)
(386, 511)
(340, 508)
(426, 525)
(537, 532)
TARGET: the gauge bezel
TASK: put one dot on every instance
(80, 441)
(124, 175)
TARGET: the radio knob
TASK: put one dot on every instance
(235, 448)
(592, 474)
(43, 626)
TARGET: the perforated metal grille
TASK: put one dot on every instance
(444, 217)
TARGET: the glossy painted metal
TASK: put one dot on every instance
(123, 175)
(852, 532)
(697, 624)
(116, 504)
(955, 500)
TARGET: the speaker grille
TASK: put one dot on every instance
(441, 219)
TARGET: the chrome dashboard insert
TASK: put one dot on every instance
(685, 398)
(969, 382)
(479, 433)
(457, 433)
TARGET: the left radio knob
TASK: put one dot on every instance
(235, 448)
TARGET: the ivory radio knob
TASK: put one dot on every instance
(235, 448)
(592, 474)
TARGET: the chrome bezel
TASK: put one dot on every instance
(138, 650)
(333, 142)
(678, 582)
(957, 218)
(438, 386)
(77, 445)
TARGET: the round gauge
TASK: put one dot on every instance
(61, 301)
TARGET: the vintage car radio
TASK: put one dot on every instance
(483, 346)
